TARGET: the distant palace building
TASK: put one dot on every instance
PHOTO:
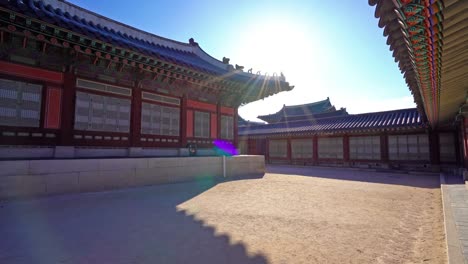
(318, 134)
(429, 42)
(76, 84)
(308, 111)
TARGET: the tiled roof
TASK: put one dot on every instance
(329, 113)
(71, 17)
(299, 110)
(62, 18)
(404, 118)
(241, 122)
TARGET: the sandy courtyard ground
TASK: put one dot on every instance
(291, 215)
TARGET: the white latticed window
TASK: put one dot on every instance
(160, 120)
(301, 148)
(447, 147)
(20, 103)
(330, 148)
(408, 147)
(202, 124)
(278, 148)
(227, 129)
(364, 148)
(102, 113)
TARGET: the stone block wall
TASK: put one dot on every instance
(26, 178)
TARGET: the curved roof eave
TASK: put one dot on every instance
(184, 53)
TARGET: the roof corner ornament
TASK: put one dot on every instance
(192, 42)
(258, 73)
(282, 77)
(226, 60)
(239, 68)
(250, 70)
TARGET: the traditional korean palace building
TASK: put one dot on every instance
(76, 84)
(429, 42)
(318, 134)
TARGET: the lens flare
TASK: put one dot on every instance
(225, 148)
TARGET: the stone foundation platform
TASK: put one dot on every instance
(28, 178)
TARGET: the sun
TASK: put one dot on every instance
(274, 46)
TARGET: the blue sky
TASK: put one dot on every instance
(324, 48)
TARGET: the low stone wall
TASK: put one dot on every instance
(70, 152)
(26, 178)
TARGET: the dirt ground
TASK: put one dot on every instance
(371, 218)
(288, 216)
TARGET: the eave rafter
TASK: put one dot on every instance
(421, 31)
(19, 24)
(428, 41)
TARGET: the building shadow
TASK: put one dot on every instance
(453, 179)
(420, 180)
(140, 225)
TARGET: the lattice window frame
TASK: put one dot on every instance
(202, 123)
(278, 148)
(102, 113)
(227, 127)
(153, 116)
(302, 148)
(364, 148)
(330, 148)
(20, 103)
(447, 147)
(413, 147)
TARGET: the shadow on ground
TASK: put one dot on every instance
(420, 180)
(139, 225)
(453, 179)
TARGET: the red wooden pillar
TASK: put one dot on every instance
(456, 140)
(68, 109)
(43, 111)
(52, 111)
(135, 129)
(464, 131)
(315, 149)
(289, 151)
(236, 137)
(214, 126)
(218, 120)
(346, 148)
(267, 150)
(434, 152)
(183, 122)
(384, 148)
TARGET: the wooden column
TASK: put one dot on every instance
(384, 148)
(135, 118)
(183, 122)
(236, 137)
(315, 149)
(218, 112)
(346, 148)
(267, 150)
(43, 111)
(68, 108)
(464, 132)
(289, 151)
(458, 150)
(434, 152)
